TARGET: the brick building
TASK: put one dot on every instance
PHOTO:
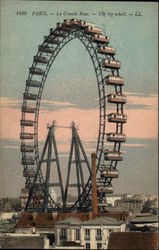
(133, 241)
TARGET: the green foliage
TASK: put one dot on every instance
(149, 207)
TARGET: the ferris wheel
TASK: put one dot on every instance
(106, 68)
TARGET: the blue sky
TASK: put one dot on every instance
(71, 81)
(135, 40)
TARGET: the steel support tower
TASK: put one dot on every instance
(48, 157)
(77, 159)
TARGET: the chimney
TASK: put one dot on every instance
(94, 185)
(35, 214)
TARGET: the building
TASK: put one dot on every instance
(152, 197)
(21, 241)
(132, 204)
(44, 224)
(8, 221)
(91, 234)
(110, 199)
(10, 205)
(37, 223)
(144, 222)
(133, 241)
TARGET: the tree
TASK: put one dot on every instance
(148, 207)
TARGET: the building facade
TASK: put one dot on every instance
(23, 241)
(133, 204)
(110, 199)
(144, 222)
(92, 234)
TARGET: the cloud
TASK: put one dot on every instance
(86, 119)
(58, 103)
(150, 101)
(134, 93)
(45, 104)
(9, 146)
(139, 100)
(48, 105)
(142, 122)
(10, 103)
(134, 145)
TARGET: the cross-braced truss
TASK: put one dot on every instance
(40, 190)
(79, 161)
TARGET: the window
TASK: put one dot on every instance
(87, 246)
(99, 245)
(77, 234)
(98, 234)
(63, 235)
(87, 234)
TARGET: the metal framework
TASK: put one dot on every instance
(107, 73)
(40, 190)
(77, 158)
